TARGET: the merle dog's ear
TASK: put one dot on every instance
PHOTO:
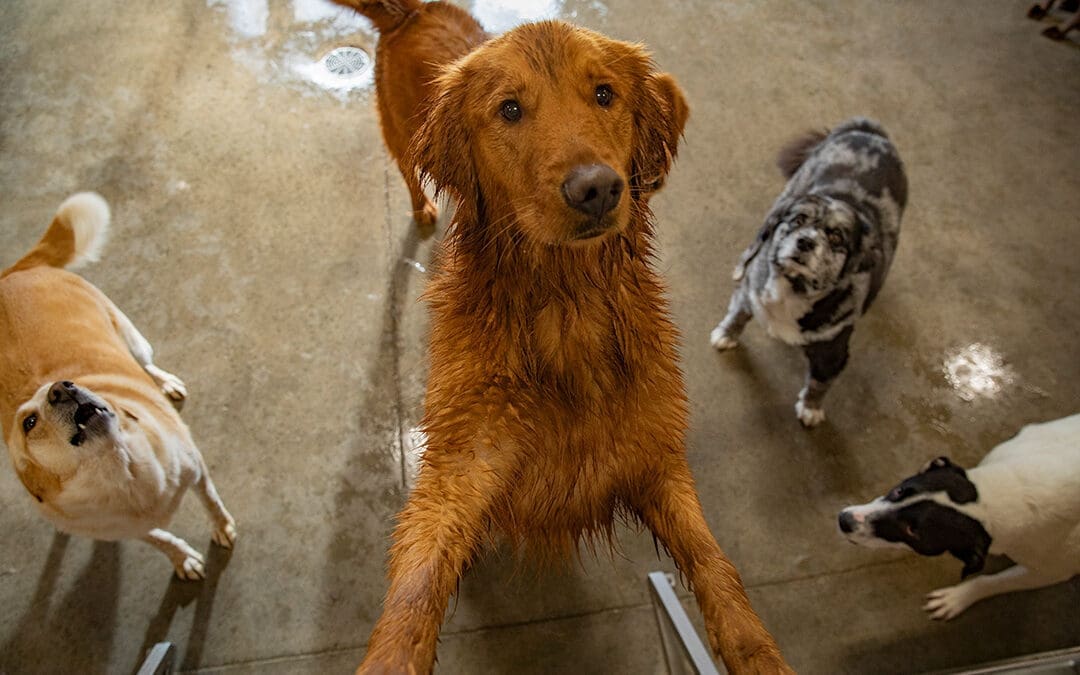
(973, 556)
(439, 152)
(764, 234)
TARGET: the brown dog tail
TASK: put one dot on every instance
(385, 14)
(75, 236)
(793, 154)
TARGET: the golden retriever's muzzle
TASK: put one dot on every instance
(88, 414)
(594, 190)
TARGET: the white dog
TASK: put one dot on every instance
(86, 414)
(1022, 500)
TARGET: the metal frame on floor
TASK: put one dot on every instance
(684, 652)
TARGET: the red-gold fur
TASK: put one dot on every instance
(415, 40)
(555, 402)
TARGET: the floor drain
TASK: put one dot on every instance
(347, 63)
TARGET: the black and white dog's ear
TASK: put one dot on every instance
(753, 249)
(959, 487)
(940, 463)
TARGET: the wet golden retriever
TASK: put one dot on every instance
(555, 402)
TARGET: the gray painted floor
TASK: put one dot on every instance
(261, 241)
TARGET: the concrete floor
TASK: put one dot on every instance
(261, 241)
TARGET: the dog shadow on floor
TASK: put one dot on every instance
(180, 593)
(74, 634)
(998, 628)
(371, 487)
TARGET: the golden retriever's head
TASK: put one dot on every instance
(61, 426)
(552, 129)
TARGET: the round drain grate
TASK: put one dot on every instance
(347, 63)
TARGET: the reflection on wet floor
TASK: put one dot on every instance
(293, 45)
(977, 371)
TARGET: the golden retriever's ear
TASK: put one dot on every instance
(439, 152)
(660, 118)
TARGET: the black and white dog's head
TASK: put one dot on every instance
(923, 513)
(812, 243)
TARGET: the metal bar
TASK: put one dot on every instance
(159, 661)
(683, 650)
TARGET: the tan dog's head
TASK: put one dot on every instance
(554, 129)
(54, 432)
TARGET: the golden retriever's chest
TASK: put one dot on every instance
(575, 352)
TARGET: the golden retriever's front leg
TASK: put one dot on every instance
(438, 531)
(670, 508)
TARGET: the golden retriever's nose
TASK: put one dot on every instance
(61, 391)
(593, 189)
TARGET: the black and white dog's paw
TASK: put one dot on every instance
(948, 603)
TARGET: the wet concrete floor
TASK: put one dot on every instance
(262, 242)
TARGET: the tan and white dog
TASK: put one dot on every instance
(86, 414)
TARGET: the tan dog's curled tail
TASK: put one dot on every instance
(75, 237)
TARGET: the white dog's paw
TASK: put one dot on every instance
(721, 340)
(171, 385)
(225, 535)
(947, 603)
(809, 416)
(190, 567)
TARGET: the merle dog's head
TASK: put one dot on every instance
(922, 513)
(812, 242)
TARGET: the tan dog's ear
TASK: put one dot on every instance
(660, 118)
(440, 151)
(38, 481)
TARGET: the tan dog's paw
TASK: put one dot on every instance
(171, 385)
(191, 567)
(225, 535)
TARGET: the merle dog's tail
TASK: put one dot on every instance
(860, 124)
(793, 154)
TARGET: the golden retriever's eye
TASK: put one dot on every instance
(604, 95)
(510, 110)
(29, 422)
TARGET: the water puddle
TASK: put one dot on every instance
(295, 44)
(977, 371)
(310, 46)
(498, 16)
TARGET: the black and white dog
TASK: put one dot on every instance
(1022, 500)
(823, 252)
